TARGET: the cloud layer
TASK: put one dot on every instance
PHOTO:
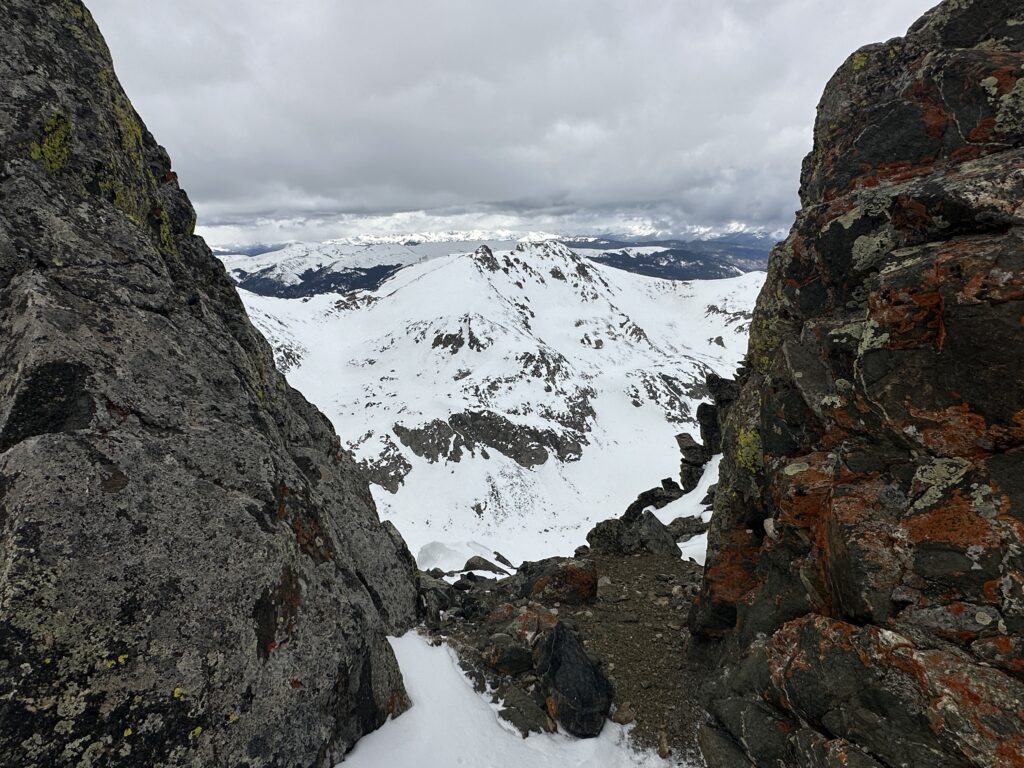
(312, 118)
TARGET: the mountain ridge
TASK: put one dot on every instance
(299, 270)
(531, 373)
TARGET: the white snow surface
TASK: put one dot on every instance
(690, 506)
(451, 726)
(543, 338)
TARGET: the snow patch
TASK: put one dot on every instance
(450, 725)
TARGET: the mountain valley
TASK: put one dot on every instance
(507, 397)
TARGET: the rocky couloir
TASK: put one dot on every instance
(564, 643)
(865, 577)
(192, 571)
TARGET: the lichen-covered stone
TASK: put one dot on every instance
(192, 571)
(864, 571)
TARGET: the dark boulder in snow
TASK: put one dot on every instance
(691, 466)
(662, 496)
(477, 563)
(579, 695)
(683, 529)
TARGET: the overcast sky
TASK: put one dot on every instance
(311, 119)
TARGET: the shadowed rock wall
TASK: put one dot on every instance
(865, 575)
(192, 571)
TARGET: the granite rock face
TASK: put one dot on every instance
(865, 574)
(191, 570)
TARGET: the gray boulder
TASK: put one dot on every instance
(646, 533)
(683, 529)
(477, 563)
(192, 571)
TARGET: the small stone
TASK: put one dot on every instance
(624, 715)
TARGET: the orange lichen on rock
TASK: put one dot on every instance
(911, 320)
(953, 522)
(731, 578)
(957, 431)
(571, 584)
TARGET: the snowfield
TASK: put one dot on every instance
(450, 726)
(509, 400)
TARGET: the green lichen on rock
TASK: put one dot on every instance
(868, 250)
(131, 131)
(1010, 118)
(55, 148)
(764, 340)
(859, 61)
(166, 239)
(748, 449)
(124, 198)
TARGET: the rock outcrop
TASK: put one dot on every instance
(865, 575)
(631, 536)
(192, 571)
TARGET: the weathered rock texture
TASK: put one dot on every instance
(191, 572)
(866, 567)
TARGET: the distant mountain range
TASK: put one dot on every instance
(298, 270)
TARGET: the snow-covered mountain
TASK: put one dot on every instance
(337, 266)
(300, 270)
(507, 399)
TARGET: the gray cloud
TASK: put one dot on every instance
(311, 118)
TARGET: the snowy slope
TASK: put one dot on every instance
(451, 725)
(508, 400)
